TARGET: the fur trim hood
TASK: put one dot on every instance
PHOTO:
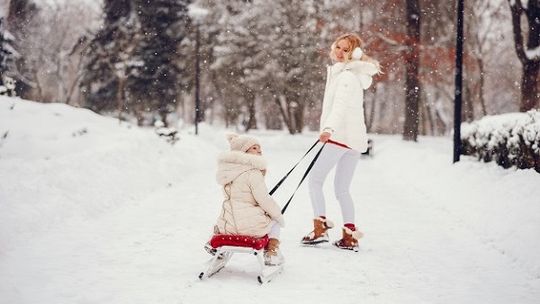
(233, 163)
(363, 70)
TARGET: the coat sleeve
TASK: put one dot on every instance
(260, 193)
(365, 81)
(367, 70)
(346, 84)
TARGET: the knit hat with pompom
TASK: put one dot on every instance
(241, 142)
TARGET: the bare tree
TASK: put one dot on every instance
(49, 34)
(528, 54)
(483, 21)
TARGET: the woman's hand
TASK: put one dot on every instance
(324, 137)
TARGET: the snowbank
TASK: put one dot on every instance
(62, 163)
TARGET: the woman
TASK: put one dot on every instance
(343, 128)
(248, 209)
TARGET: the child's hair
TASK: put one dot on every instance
(354, 42)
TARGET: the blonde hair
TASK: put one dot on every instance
(354, 41)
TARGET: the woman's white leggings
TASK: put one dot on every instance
(346, 160)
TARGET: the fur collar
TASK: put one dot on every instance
(233, 163)
(357, 67)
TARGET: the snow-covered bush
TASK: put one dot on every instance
(8, 88)
(508, 139)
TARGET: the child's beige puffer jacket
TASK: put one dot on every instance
(247, 207)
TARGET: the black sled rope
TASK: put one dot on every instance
(303, 177)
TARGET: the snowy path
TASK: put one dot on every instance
(426, 255)
(417, 249)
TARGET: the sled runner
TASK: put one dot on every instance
(224, 246)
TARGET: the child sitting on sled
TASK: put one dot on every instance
(247, 207)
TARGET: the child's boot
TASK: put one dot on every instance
(349, 239)
(320, 232)
(272, 254)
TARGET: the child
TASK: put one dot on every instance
(247, 207)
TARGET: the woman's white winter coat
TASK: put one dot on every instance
(343, 103)
(247, 207)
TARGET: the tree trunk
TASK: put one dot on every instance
(529, 86)
(427, 118)
(252, 119)
(272, 117)
(286, 118)
(480, 62)
(531, 66)
(72, 87)
(422, 121)
(38, 86)
(120, 97)
(412, 62)
(369, 118)
(468, 114)
(298, 118)
(163, 114)
(139, 111)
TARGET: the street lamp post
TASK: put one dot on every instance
(197, 79)
(458, 81)
(197, 15)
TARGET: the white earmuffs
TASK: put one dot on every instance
(357, 53)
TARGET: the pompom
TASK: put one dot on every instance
(357, 53)
(231, 136)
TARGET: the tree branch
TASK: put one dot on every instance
(517, 10)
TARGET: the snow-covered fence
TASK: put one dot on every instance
(508, 139)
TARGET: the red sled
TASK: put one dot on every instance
(223, 246)
(219, 240)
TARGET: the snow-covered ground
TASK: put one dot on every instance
(93, 211)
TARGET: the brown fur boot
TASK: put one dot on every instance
(349, 240)
(319, 233)
(272, 254)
